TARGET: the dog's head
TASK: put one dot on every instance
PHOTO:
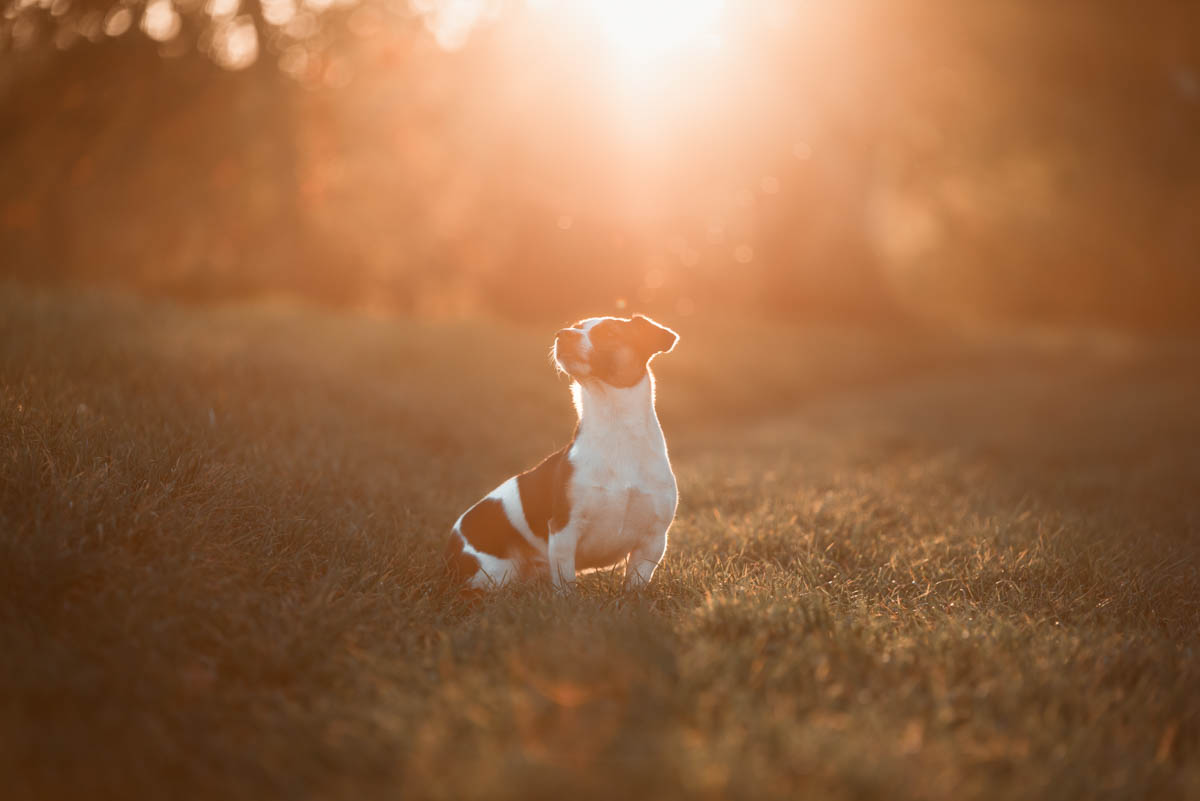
(615, 350)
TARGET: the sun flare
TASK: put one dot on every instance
(639, 32)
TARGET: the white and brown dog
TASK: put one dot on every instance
(608, 496)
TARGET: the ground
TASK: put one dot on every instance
(905, 565)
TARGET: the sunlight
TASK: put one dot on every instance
(640, 32)
(634, 35)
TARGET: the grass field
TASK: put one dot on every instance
(903, 567)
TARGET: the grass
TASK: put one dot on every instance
(903, 567)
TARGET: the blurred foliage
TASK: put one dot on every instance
(1002, 160)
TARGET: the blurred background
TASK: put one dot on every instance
(837, 160)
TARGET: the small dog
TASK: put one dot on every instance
(608, 496)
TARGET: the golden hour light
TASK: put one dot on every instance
(638, 32)
(511, 400)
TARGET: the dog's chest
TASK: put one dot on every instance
(622, 492)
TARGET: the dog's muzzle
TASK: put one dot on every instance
(568, 342)
(569, 349)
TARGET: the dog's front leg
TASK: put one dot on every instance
(643, 560)
(562, 558)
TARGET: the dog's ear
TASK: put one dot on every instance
(653, 337)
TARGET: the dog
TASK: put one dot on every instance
(608, 497)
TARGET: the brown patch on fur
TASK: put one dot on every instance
(615, 358)
(653, 337)
(488, 529)
(621, 349)
(544, 494)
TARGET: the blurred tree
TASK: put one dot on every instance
(829, 159)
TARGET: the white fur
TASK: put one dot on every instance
(622, 492)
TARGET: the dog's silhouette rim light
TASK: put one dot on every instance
(607, 497)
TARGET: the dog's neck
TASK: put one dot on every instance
(616, 411)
